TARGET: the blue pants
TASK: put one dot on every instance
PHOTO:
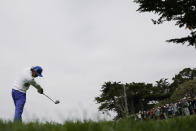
(19, 102)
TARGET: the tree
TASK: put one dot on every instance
(163, 86)
(183, 12)
(183, 76)
(130, 98)
(111, 98)
(185, 89)
(176, 87)
(138, 96)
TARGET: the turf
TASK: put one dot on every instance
(174, 124)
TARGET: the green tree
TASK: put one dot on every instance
(183, 76)
(162, 86)
(111, 98)
(176, 91)
(138, 96)
(130, 98)
(183, 12)
(187, 88)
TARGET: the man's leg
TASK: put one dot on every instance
(13, 97)
(20, 99)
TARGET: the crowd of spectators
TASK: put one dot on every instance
(184, 107)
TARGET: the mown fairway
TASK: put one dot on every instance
(177, 124)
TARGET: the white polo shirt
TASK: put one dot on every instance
(24, 81)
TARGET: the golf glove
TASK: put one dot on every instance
(41, 91)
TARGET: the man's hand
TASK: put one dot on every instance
(41, 91)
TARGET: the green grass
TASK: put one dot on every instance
(175, 124)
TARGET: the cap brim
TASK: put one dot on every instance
(40, 75)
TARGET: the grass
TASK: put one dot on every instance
(174, 124)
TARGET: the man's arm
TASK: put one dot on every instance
(37, 86)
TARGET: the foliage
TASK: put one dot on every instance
(185, 75)
(176, 124)
(188, 88)
(182, 85)
(183, 12)
(138, 96)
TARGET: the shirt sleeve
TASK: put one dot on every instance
(34, 83)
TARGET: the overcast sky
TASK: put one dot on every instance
(81, 44)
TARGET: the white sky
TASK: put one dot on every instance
(81, 44)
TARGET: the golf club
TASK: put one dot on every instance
(55, 102)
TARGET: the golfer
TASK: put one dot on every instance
(21, 86)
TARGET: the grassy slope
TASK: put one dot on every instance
(177, 124)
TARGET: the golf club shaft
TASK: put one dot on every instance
(49, 97)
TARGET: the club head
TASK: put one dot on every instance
(57, 102)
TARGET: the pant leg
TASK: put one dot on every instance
(19, 100)
(13, 97)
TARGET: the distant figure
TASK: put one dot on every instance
(21, 86)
